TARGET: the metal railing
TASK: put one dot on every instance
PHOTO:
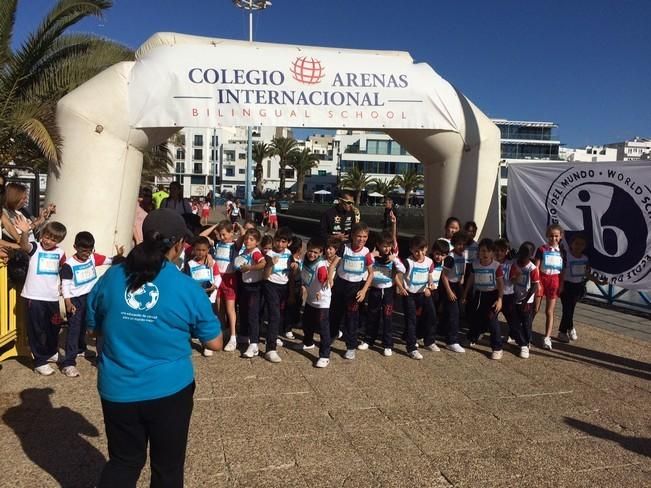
(13, 339)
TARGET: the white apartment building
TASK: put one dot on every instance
(590, 154)
(632, 149)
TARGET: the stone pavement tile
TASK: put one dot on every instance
(339, 477)
(476, 390)
(258, 455)
(270, 478)
(415, 475)
(507, 408)
(361, 419)
(329, 451)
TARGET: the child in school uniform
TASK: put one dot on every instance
(272, 214)
(549, 260)
(251, 263)
(330, 255)
(41, 291)
(202, 268)
(224, 251)
(472, 247)
(276, 288)
(315, 282)
(502, 251)
(292, 318)
(440, 249)
(354, 276)
(78, 276)
(525, 279)
(452, 277)
(575, 275)
(381, 294)
(486, 281)
(414, 283)
(452, 226)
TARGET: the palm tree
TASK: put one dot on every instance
(156, 161)
(302, 162)
(260, 151)
(283, 147)
(409, 182)
(385, 187)
(355, 180)
(46, 66)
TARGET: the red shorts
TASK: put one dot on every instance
(228, 288)
(273, 219)
(205, 212)
(549, 286)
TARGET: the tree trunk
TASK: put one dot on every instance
(407, 197)
(281, 186)
(300, 178)
(358, 196)
(258, 178)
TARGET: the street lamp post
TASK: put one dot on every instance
(250, 5)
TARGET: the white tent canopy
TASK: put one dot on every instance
(322, 192)
(181, 80)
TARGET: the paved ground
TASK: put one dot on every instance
(577, 416)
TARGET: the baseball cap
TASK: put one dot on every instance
(168, 223)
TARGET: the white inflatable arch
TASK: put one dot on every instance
(179, 80)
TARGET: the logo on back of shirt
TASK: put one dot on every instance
(144, 298)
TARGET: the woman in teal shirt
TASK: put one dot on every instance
(145, 311)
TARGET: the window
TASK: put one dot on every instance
(268, 168)
(241, 155)
(229, 155)
(180, 140)
(289, 173)
(198, 140)
(229, 171)
(180, 153)
(241, 171)
(197, 168)
(322, 172)
(197, 154)
(214, 155)
(180, 167)
(214, 141)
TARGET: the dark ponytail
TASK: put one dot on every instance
(145, 261)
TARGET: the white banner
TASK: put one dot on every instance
(609, 203)
(237, 84)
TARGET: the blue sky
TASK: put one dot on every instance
(584, 64)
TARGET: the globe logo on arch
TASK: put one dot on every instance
(308, 71)
(144, 298)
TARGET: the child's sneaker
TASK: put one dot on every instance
(497, 355)
(308, 348)
(70, 371)
(279, 343)
(340, 334)
(433, 347)
(573, 335)
(456, 348)
(272, 357)
(388, 352)
(524, 352)
(563, 337)
(289, 335)
(54, 358)
(415, 355)
(251, 351)
(45, 370)
(322, 363)
(547, 343)
(363, 346)
(207, 352)
(231, 345)
(349, 354)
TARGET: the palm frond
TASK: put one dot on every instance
(7, 20)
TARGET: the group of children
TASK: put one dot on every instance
(270, 279)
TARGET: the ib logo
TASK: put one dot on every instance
(144, 298)
(306, 70)
(608, 207)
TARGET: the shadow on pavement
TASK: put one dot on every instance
(51, 437)
(639, 445)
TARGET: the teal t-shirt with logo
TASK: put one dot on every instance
(146, 351)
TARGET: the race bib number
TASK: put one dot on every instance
(223, 253)
(552, 260)
(281, 265)
(577, 270)
(201, 273)
(419, 276)
(381, 274)
(459, 266)
(353, 264)
(84, 273)
(484, 278)
(307, 275)
(48, 263)
(436, 275)
(240, 260)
